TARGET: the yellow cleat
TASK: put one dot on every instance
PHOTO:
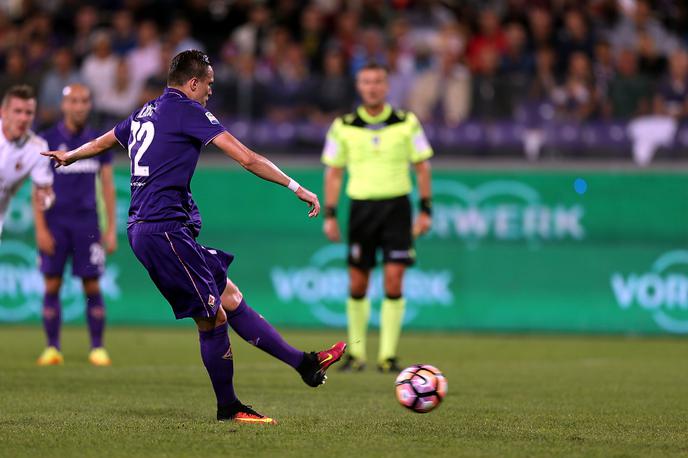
(99, 357)
(51, 356)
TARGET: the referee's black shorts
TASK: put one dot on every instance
(384, 224)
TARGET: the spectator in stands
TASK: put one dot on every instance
(629, 92)
(490, 95)
(545, 81)
(9, 34)
(85, 23)
(38, 54)
(122, 97)
(574, 37)
(123, 36)
(445, 86)
(650, 62)
(180, 36)
(62, 74)
(374, 13)
(489, 39)
(15, 72)
(638, 20)
(251, 36)
(287, 13)
(369, 49)
(240, 93)
(346, 32)
(671, 98)
(144, 59)
(99, 68)
(275, 48)
(155, 84)
(541, 29)
(603, 68)
(400, 79)
(400, 41)
(575, 99)
(516, 63)
(333, 91)
(311, 37)
(290, 88)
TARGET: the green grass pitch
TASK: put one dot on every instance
(508, 396)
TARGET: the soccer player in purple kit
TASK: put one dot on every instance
(70, 227)
(164, 139)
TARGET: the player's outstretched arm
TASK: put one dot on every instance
(262, 167)
(90, 149)
(107, 181)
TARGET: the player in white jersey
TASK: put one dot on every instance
(20, 156)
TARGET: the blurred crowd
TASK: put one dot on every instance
(449, 61)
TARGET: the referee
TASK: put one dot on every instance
(376, 144)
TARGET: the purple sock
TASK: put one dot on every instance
(95, 315)
(216, 353)
(255, 329)
(52, 319)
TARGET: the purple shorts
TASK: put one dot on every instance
(190, 276)
(78, 238)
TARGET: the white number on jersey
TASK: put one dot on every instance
(142, 133)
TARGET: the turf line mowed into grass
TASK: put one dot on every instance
(508, 396)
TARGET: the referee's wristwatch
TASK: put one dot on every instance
(330, 211)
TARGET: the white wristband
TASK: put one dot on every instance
(293, 185)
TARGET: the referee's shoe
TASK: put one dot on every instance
(389, 365)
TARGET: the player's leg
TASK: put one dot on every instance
(216, 353)
(363, 235)
(397, 244)
(52, 322)
(95, 317)
(177, 266)
(88, 263)
(256, 330)
(357, 316)
(391, 316)
(52, 268)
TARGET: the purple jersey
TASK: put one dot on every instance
(74, 185)
(164, 140)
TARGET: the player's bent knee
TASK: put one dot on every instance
(231, 296)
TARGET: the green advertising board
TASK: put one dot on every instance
(509, 251)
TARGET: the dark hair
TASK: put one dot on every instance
(372, 65)
(20, 91)
(187, 65)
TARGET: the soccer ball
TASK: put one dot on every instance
(420, 387)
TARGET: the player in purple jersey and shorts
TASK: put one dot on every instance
(69, 229)
(164, 139)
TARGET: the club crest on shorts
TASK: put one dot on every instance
(211, 300)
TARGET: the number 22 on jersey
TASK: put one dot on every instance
(141, 134)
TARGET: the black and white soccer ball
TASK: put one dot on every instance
(420, 387)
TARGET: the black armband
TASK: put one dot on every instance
(425, 205)
(330, 212)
